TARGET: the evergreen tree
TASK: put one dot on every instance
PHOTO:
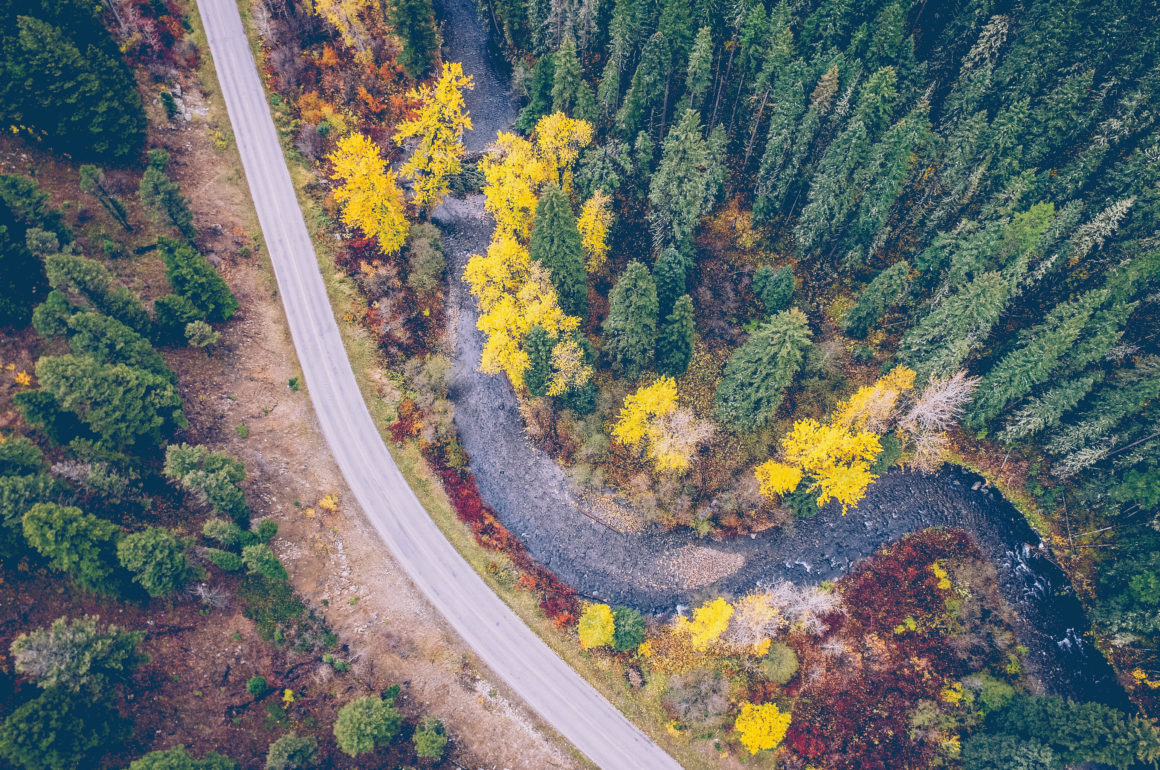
(90, 280)
(213, 477)
(681, 189)
(414, 23)
(538, 376)
(630, 330)
(1006, 752)
(155, 559)
(193, 277)
(758, 372)
(62, 78)
(78, 656)
(570, 94)
(292, 752)
(177, 758)
(675, 343)
(676, 24)
(173, 313)
(671, 274)
(74, 542)
(539, 94)
(93, 182)
(791, 128)
(1045, 411)
(365, 723)
(886, 290)
(1034, 360)
(22, 279)
(774, 288)
(162, 196)
(699, 76)
(556, 245)
(109, 341)
(19, 457)
(59, 731)
(942, 340)
(122, 405)
(645, 98)
(17, 495)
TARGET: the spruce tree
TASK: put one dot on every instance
(1045, 411)
(671, 273)
(645, 98)
(675, 343)
(162, 196)
(155, 559)
(887, 288)
(539, 94)
(759, 371)
(193, 277)
(78, 656)
(699, 76)
(414, 23)
(774, 288)
(570, 94)
(111, 342)
(75, 542)
(22, 279)
(556, 245)
(681, 189)
(59, 731)
(538, 376)
(630, 330)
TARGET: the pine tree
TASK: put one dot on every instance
(1034, 360)
(111, 342)
(414, 23)
(675, 343)
(774, 288)
(123, 405)
(75, 542)
(699, 76)
(1045, 411)
(22, 279)
(556, 245)
(193, 277)
(59, 731)
(93, 182)
(645, 98)
(570, 94)
(887, 288)
(681, 189)
(759, 371)
(539, 94)
(785, 129)
(538, 376)
(213, 477)
(676, 24)
(155, 559)
(671, 273)
(630, 330)
(162, 196)
(78, 656)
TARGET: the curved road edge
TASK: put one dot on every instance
(500, 639)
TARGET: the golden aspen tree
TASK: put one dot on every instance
(559, 140)
(369, 193)
(439, 126)
(761, 727)
(345, 16)
(568, 368)
(872, 407)
(594, 221)
(513, 175)
(708, 624)
(641, 407)
(597, 627)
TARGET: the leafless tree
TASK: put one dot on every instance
(941, 404)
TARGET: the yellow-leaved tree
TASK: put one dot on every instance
(346, 17)
(761, 727)
(594, 220)
(514, 293)
(709, 621)
(439, 126)
(368, 192)
(596, 627)
(837, 455)
(671, 434)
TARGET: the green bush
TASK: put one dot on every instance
(430, 739)
(260, 560)
(155, 559)
(225, 532)
(177, 758)
(256, 686)
(627, 629)
(365, 723)
(60, 731)
(780, 663)
(773, 288)
(227, 561)
(292, 752)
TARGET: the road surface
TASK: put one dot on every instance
(500, 639)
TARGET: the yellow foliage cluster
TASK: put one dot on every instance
(872, 407)
(837, 454)
(513, 293)
(439, 126)
(642, 407)
(651, 414)
(761, 727)
(709, 622)
(596, 626)
(944, 579)
(594, 221)
(346, 17)
(369, 193)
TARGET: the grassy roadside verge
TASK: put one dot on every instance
(642, 707)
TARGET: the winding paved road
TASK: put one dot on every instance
(499, 638)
